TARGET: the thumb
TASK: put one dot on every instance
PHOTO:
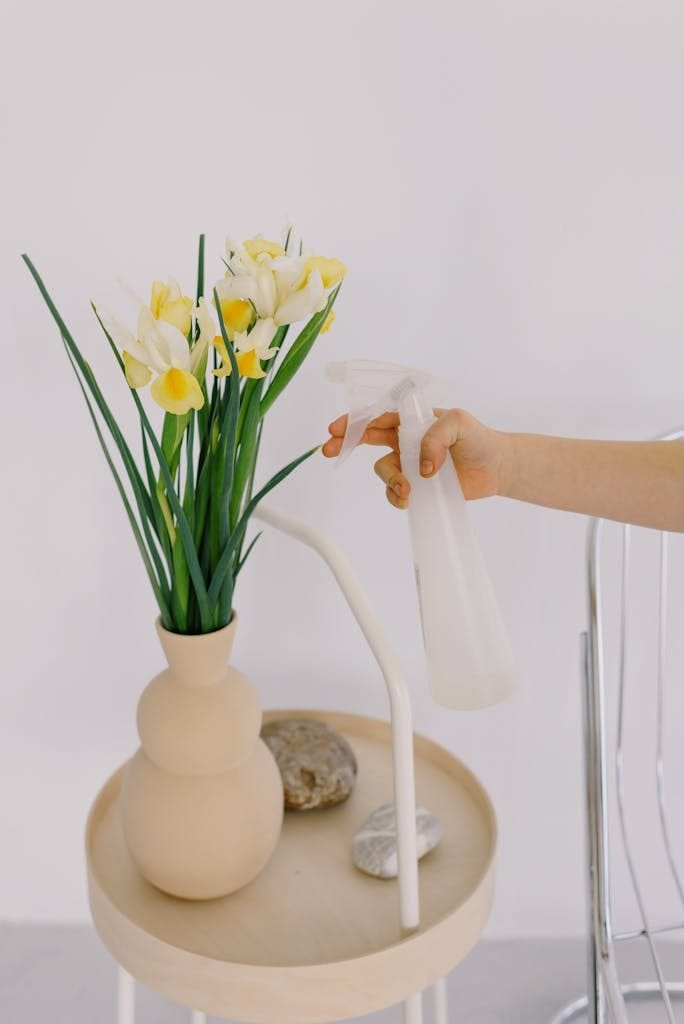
(438, 439)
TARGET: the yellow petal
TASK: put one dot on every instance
(177, 391)
(328, 322)
(177, 312)
(137, 374)
(237, 315)
(261, 246)
(331, 271)
(225, 369)
(249, 364)
(160, 293)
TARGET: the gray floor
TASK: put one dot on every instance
(62, 975)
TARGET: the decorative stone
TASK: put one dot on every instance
(374, 847)
(317, 765)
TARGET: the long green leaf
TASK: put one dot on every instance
(200, 270)
(246, 555)
(181, 586)
(158, 585)
(203, 494)
(223, 566)
(173, 431)
(203, 416)
(226, 455)
(183, 527)
(249, 387)
(189, 491)
(181, 520)
(246, 454)
(152, 483)
(250, 481)
(141, 496)
(232, 407)
(297, 354)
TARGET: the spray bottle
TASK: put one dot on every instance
(469, 658)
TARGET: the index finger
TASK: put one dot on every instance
(386, 421)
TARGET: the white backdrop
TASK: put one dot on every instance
(504, 181)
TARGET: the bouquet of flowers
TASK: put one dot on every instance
(215, 364)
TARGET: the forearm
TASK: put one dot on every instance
(640, 482)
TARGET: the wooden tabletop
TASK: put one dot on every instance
(312, 938)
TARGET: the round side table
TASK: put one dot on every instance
(312, 939)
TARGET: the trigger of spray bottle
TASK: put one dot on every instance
(469, 658)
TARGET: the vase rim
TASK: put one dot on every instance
(198, 658)
(229, 626)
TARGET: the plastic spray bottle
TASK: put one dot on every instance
(469, 658)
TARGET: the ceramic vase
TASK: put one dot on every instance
(202, 798)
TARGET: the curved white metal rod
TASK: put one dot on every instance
(635, 992)
(400, 703)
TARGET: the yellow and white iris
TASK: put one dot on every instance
(264, 289)
(168, 303)
(250, 349)
(161, 351)
(278, 288)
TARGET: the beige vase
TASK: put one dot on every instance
(202, 799)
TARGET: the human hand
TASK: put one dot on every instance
(476, 451)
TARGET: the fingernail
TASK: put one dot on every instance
(426, 467)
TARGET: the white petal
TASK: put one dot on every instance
(147, 336)
(266, 294)
(260, 337)
(240, 262)
(175, 291)
(208, 330)
(176, 345)
(242, 286)
(125, 339)
(154, 340)
(197, 351)
(288, 273)
(118, 331)
(300, 305)
(135, 299)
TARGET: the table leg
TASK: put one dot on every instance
(413, 1009)
(125, 997)
(440, 1013)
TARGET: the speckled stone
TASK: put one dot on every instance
(317, 765)
(374, 847)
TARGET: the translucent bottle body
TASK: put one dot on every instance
(469, 658)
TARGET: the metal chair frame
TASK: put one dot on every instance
(607, 997)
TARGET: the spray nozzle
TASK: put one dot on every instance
(374, 388)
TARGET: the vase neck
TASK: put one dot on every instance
(198, 660)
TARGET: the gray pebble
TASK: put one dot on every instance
(374, 847)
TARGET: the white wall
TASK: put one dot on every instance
(504, 181)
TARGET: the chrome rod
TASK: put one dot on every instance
(606, 996)
(597, 744)
(658, 930)
(590, 781)
(645, 989)
(603, 985)
(619, 775)
(638, 991)
(660, 756)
